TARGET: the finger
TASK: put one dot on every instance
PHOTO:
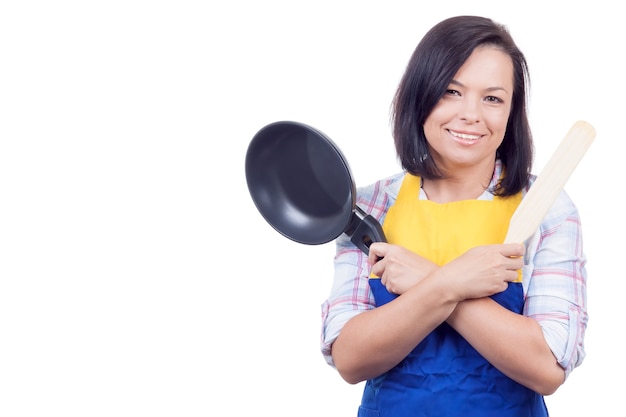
(378, 269)
(377, 251)
(512, 266)
(511, 276)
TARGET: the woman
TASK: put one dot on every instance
(445, 319)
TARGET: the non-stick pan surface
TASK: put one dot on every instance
(302, 185)
(300, 182)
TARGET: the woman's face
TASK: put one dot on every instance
(468, 124)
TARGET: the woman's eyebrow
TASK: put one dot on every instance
(490, 89)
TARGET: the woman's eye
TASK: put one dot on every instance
(493, 99)
(452, 92)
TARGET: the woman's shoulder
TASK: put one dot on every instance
(388, 185)
(378, 196)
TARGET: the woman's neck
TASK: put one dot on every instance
(465, 184)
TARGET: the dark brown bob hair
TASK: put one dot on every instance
(434, 63)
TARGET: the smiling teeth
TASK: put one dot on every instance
(464, 136)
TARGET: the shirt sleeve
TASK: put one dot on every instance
(350, 294)
(555, 281)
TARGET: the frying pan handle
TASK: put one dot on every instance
(364, 230)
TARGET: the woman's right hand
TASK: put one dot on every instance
(398, 268)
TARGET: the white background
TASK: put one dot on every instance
(137, 276)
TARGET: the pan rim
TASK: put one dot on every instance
(273, 203)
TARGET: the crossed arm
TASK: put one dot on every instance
(374, 341)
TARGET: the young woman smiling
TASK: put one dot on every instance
(444, 319)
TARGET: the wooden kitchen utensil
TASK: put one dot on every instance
(550, 182)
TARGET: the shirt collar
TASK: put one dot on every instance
(392, 188)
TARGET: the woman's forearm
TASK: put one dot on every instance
(375, 341)
(511, 342)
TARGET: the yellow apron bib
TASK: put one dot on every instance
(442, 232)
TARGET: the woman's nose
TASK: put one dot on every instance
(469, 111)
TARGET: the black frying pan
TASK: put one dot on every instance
(301, 184)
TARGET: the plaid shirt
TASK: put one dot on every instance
(554, 275)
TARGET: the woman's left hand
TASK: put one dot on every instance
(398, 268)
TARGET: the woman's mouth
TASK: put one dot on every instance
(465, 137)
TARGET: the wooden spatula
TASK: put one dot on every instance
(550, 182)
